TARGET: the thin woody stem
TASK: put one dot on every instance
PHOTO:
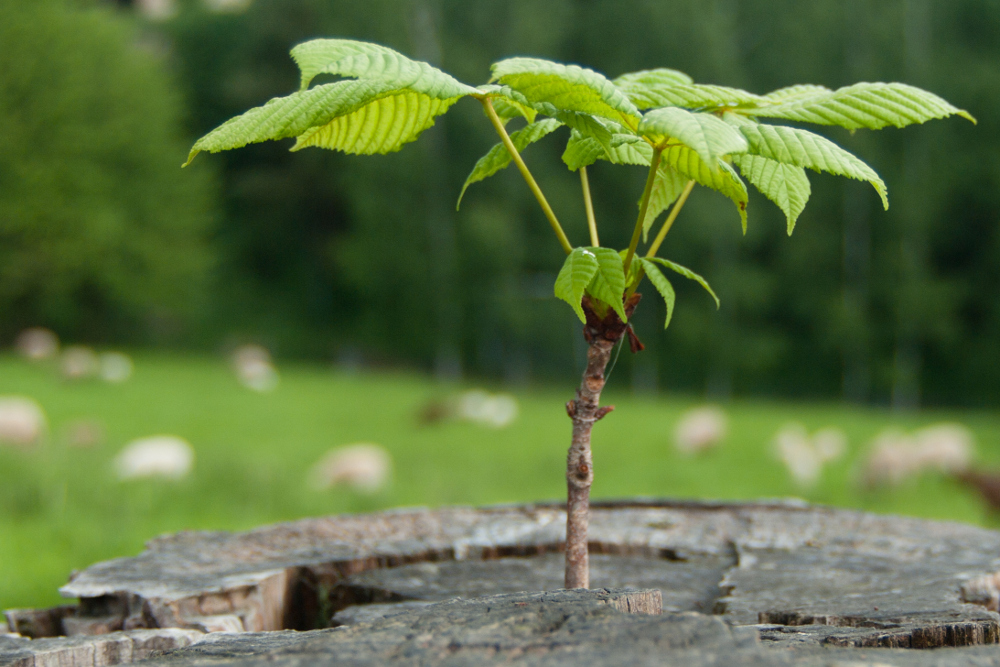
(529, 179)
(589, 206)
(584, 411)
(643, 207)
(601, 334)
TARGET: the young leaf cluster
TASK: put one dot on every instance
(683, 132)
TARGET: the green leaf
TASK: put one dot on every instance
(802, 148)
(349, 58)
(507, 109)
(577, 271)
(864, 105)
(499, 157)
(659, 76)
(707, 134)
(723, 179)
(313, 56)
(697, 96)
(640, 153)
(662, 286)
(667, 187)
(383, 126)
(390, 103)
(633, 269)
(797, 91)
(784, 184)
(567, 87)
(644, 87)
(585, 124)
(582, 151)
(508, 103)
(608, 283)
(687, 273)
(290, 116)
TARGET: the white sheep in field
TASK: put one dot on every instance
(37, 344)
(79, 362)
(700, 429)
(895, 456)
(22, 421)
(115, 367)
(493, 410)
(163, 456)
(363, 466)
(254, 368)
(945, 447)
(803, 455)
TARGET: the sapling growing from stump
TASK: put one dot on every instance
(685, 134)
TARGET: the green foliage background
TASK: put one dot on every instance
(319, 254)
(100, 235)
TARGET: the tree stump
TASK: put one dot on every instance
(755, 583)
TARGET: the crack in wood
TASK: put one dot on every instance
(793, 573)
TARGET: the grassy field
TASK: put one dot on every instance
(62, 507)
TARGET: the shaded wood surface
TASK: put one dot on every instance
(797, 579)
(93, 651)
(685, 585)
(561, 628)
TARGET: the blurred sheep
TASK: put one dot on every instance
(891, 459)
(363, 466)
(115, 367)
(895, 456)
(37, 344)
(946, 447)
(493, 410)
(830, 443)
(475, 405)
(803, 455)
(164, 456)
(157, 10)
(78, 363)
(700, 429)
(795, 451)
(22, 421)
(254, 368)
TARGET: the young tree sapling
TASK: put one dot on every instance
(685, 134)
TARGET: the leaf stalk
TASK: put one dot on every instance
(669, 222)
(654, 164)
(589, 206)
(529, 179)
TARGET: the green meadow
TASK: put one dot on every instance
(62, 507)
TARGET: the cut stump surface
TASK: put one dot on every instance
(774, 583)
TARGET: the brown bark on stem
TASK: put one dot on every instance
(585, 410)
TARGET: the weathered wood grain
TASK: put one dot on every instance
(562, 628)
(686, 585)
(93, 651)
(799, 577)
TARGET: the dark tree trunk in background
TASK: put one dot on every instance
(911, 325)
(425, 19)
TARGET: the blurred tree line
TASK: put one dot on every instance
(319, 254)
(101, 236)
